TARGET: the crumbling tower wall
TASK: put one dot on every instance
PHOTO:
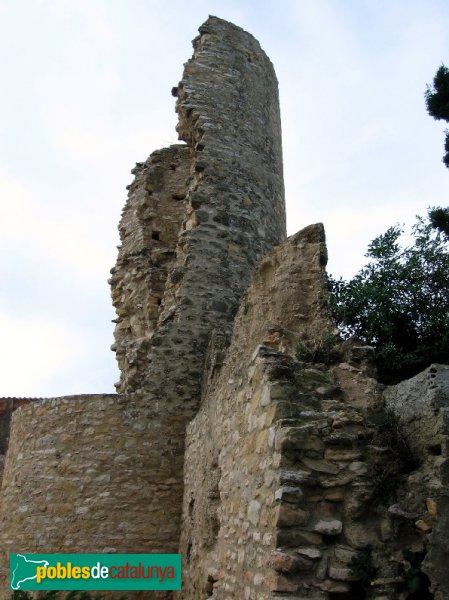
(199, 217)
(149, 230)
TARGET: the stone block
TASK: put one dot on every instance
(284, 563)
(341, 574)
(254, 511)
(294, 537)
(423, 526)
(342, 455)
(286, 516)
(431, 506)
(334, 587)
(329, 527)
(309, 552)
(279, 583)
(297, 476)
(321, 466)
(289, 493)
(297, 438)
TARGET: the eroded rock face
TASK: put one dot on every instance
(149, 231)
(422, 407)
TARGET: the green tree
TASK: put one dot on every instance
(437, 102)
(439, 219)
(399, 302)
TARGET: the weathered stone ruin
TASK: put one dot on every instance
(244, 433)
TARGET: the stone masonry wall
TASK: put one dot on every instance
(231, 511)
(64, 458)
(277, 489)
(76, 480)
(215, 208)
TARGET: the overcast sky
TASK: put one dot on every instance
(85, 93)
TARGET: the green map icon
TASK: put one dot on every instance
(23, 569)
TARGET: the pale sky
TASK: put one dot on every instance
(86, 94)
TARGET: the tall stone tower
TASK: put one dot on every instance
(199, 216)
(198, 219)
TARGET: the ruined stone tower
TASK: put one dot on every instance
(198, 218)
(243, 430)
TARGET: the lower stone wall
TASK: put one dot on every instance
(229, 525)
(278, 484)
(301, 481)
(7, 407)
(235, 508)
(75, 480)
(322, 489)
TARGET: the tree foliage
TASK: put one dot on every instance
(439, 219)
(437, 102)
(399, 302)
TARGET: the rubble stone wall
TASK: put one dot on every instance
(149, 231)
(297, 480)
(234, 500)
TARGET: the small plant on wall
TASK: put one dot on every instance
(362, 567)
(323, 350)
(417, 583)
